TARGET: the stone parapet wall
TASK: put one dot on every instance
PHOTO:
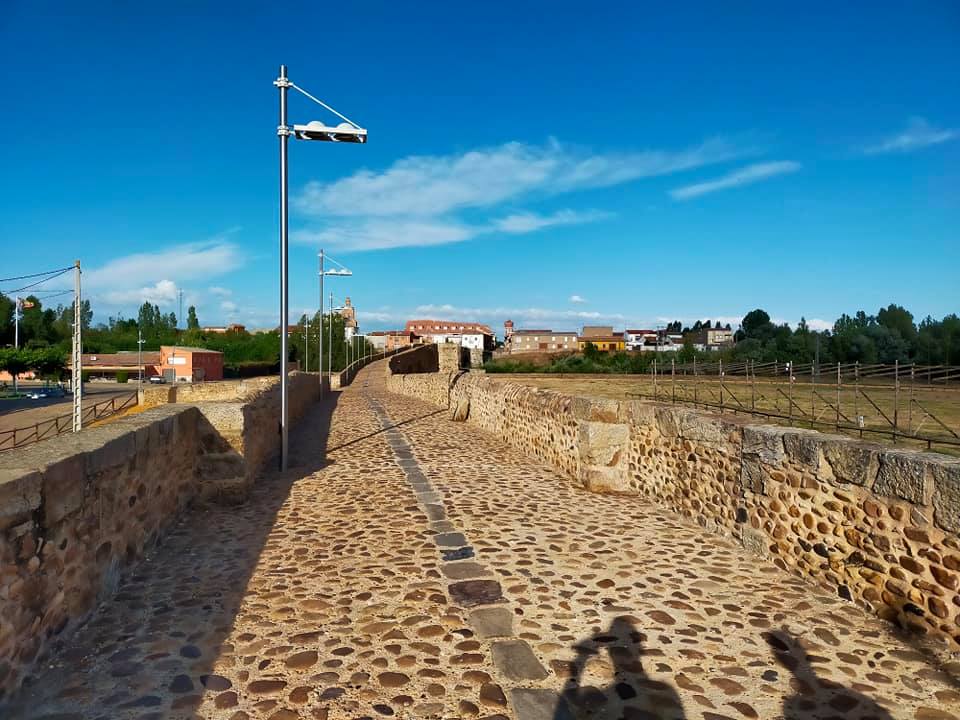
(76, 510)
(222, 390)
(873, 524)
(246, 416)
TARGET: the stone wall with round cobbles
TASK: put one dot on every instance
(876, 525)
(74, 513)
(78, 509)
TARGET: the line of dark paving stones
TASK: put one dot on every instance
(473, 587)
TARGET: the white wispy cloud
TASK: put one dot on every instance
(376, 316)
(423, 200)
(434, 185)
(919, 134)
(124, 283)
(220, 291)
(381, 234)
(577, 299)
(163, 292)
(229, 307)
(529, 222)
(179, 262)
(743, 176)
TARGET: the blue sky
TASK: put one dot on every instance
(557, 165)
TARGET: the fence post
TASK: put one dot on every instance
(789, 367)
(838, 397)
(856, 395)
(913, 367)
(695, 381)
(673, 380)
(720, 376)
(654, 368)
(896, 397)
(753, 386)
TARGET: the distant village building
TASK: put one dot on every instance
(189, 364)
(637, 340)
(105, 366)
(545, 341)
(389, 340)
(377, 340)
(476, 336)
(224, 329)
(349, 314)
(602, 337)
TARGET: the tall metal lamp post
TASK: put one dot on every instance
(340, 271)
(347, 131)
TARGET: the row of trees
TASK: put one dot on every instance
(887, 337)
(45, 362)
(46, 333)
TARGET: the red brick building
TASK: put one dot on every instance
(190, 364)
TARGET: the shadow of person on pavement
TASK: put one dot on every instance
(631, 693)
(815, 697)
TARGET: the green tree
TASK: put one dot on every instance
(48, 362)
(6, 320)
(15, 361)
(756, 324)
(192, 322)
(896, 317)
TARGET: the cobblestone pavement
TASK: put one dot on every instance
(408, 566)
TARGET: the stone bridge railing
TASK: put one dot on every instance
(876, 525)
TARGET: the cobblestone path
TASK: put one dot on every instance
(408, 566)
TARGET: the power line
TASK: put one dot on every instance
(38, 282)
(26, 277)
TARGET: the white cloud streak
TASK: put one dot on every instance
(180, 262)
(577, 299)
(743, 176)
(529, 222)
(421, 200)
(124, 283)
(919, 134)
(429, 186)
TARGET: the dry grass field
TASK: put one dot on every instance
(918, 411)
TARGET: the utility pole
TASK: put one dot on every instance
(330, 337)
(180, 315)
(320, 364)
(139, 358)
(306, 343)
(77, 350)
(16, 336)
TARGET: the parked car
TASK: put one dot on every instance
(158, 380)
(51, 392)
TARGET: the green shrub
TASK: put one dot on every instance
(122, 376)
(84, 376)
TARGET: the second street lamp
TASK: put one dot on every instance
(347, 131)
(340, 271)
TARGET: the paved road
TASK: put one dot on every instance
(409, 567)
(24, 412)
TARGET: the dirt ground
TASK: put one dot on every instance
(919, 410)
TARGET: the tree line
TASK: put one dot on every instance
(45, 339)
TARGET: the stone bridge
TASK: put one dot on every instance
(432, 553)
